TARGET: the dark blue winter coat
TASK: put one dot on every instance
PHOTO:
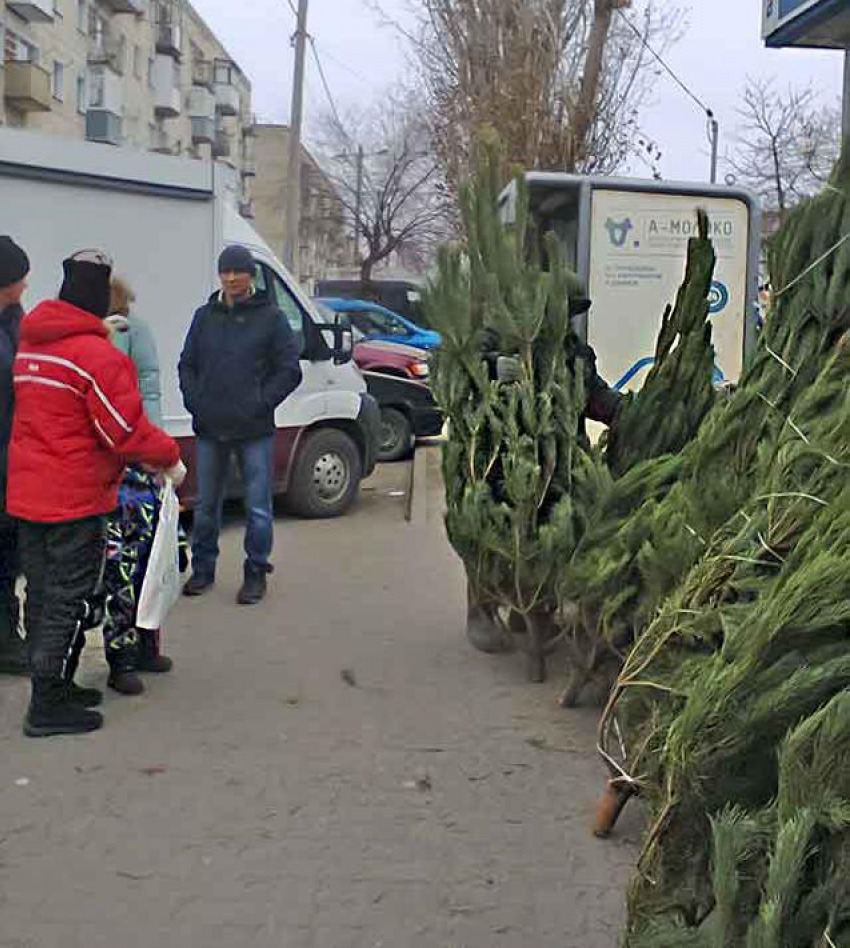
(237, 366)
(10, 329)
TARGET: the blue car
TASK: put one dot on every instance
(379, 324)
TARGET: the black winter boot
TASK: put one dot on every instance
(52, 712)
(254, 586)
(125, 681)
(13, 650)
(150, 657)
(85, 697)
(198, 584)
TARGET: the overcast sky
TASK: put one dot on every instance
(721, 47)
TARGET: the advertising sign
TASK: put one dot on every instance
(638, 254)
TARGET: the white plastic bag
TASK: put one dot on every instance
(161, 586)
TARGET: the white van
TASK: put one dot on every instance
(164, 221)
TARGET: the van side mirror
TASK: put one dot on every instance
(343, 347)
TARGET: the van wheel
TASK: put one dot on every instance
(326, 475)
(396, 435)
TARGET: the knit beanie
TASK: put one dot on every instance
(14, 263)
(236, 259)
(86, 284)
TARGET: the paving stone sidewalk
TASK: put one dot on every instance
(335, 768)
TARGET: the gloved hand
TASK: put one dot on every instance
(176, 474)
(508, 369)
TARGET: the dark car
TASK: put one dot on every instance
(396, 377)
(400, 296)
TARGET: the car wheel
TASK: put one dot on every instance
(396, 435)
(326, 475)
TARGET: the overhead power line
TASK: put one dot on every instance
(667, 68)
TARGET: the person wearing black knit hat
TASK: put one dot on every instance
(87, 282)
(14, 267)
(79, 422)
(239, 362)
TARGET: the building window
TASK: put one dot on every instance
(81, 94)
(58, 81)
(137, 62)
(82, 16)
(151, 62)
(223, 72)
(18, 50)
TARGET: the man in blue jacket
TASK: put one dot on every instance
(14, 267)
(240, 362)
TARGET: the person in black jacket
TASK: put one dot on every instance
(14, 267)
(603, 402)
(239, 362)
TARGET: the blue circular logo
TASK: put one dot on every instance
(718, 298)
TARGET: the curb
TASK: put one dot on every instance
(417, 493)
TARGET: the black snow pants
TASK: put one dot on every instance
(63, 567)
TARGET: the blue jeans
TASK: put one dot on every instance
(256, 465)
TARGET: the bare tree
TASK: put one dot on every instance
(787, 144)
(561, 81)
(383, 166)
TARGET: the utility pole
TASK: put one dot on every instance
(296, 115)
(358, 205)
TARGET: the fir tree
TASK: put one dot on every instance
(518, 472)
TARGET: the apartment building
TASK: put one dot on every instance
(144, 73)
(326, 242)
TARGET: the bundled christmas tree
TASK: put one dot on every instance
(792, 471)
(667, 412)
(755, 641)
(657, 544)
(779, 875)
(782, 659)
(518, 471)
(600, 584)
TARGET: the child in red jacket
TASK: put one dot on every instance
(78, 423)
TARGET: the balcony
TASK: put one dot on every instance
(203, 131)
(109, 49)
(202, 74)
(161, 143)
(201, 103)
(136, 7)
(104, 127)
(28, 87)
(222, 146)
(169, 40)
(167, 100)
(106, 90)
(227, 99)
(35, 11)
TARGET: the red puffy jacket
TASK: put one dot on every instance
(78, 419)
